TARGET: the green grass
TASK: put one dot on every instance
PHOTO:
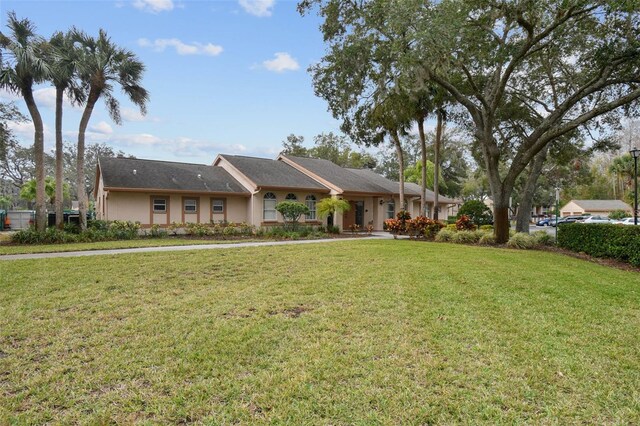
(367, 332)
(105, 245)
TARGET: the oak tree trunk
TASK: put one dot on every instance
(524, 209)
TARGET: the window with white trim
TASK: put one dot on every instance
(391, 209)
(190, 205)
(269, 207)
(159, 205)
(217, 206)
(310, 201)
(291, 197)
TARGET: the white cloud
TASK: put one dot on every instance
(133, 115)
(153, 6)
(281, 63)
(259, 8)
(159, 45)
(102, 127)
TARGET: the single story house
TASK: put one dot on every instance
(594, 207)
(245, 189)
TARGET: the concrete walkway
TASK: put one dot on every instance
(375, 235)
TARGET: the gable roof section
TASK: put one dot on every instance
(430, 195)
(602, 205)
(118, 174)
(268, 174)
(342, 178)
(389, 185)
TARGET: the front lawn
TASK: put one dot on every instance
(365, 332)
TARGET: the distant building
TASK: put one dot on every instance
(594, 207)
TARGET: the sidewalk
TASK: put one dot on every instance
(378, 235)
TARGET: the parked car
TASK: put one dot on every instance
(566, 219)
(544, 222)
(625, 221)
(597, 219)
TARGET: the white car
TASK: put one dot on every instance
(597, 219)
(626, 221)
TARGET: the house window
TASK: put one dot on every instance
(190, 205)
(291, 197)
(269, 207)
(217, 206)
(310, 201)
(391, 210)
(159, 205)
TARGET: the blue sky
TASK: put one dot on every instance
(224, 76)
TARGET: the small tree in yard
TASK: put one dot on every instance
(333, 206)
(477, 211)
(291, 211)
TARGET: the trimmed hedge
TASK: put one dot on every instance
(602, 240)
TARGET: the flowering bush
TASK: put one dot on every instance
(464, 223)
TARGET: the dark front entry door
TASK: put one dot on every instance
(359, 207)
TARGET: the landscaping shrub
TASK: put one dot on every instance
(602, 240)
(452, 227)
(291, 212)
(157, 231)
(465, 237)
(124, 229)
(521, 240)
(477, 212)
(542, 238)
(394, 226)
(98, 225)
(487, 239)
(445, 235)
(618, 214)
(486, 227)
(464, 223)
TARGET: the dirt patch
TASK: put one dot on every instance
(294, 312)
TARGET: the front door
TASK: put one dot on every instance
(354, 216)
(359, 213)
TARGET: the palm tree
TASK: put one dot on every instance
(24, 67)
(62, 60)
(101, 64)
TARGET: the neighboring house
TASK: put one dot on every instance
(536, 210)
(594, 207)
(245, 189)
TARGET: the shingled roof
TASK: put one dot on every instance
(134, 173)
(268, 173)
(602, 205)
(387, 184)
(341, 177)
(430, 196)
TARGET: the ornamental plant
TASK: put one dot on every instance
(464, 223)
(291, 211)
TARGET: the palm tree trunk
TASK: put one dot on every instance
(94, 95)
(59, 197)
(38, 147)
(398, 146)
(423, 148)
(436, 163)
